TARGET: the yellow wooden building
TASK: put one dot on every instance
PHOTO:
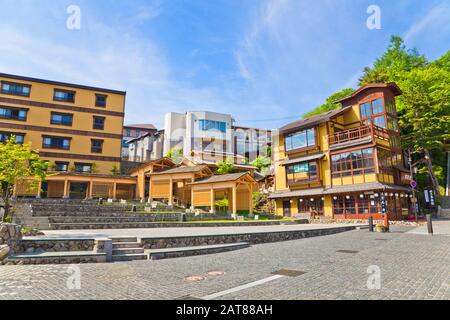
(340, 164)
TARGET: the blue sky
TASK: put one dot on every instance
(267, 62)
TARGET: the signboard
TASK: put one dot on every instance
(413, 184)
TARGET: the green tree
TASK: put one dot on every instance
(176, 154)
(329, 105)
(225, 167)
(17, 162)
(392, 65)
(262, 163)
(222, 204)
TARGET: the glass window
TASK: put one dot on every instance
(205, 125)
(365, 110)
(377, 106)
(56, 143)
(61, 119)
(65, 96)
(352, 163)
(5, 136)
(100, 100)
(13, 113)
(99, 123)
(302, 172)
(380, 122)
(96, 146)
(301, 139)
(17, 89)
(83, 167)
(61, 166)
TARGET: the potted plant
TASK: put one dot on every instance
(380, 228)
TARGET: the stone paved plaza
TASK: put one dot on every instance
(413, 266)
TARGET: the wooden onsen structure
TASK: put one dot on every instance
(192, 185)
(79, 186)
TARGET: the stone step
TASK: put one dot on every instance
(66, 257)
(86, 220)
(124, 239)
(118, 251)
(129, 257)
(156, 254)
(119, 245)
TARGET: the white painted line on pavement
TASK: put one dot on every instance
(239, 288)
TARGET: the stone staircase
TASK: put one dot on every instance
(127, 249)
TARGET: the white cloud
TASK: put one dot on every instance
(436, 16)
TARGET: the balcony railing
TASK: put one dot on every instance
(358, 133)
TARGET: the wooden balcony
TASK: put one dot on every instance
(358, 133)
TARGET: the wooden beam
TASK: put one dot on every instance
(234, 199)
(213, 207)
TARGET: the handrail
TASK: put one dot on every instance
(358, 133)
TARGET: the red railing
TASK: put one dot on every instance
(358, 133)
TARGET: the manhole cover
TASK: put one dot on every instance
(289, 273)
(347, 251)
(194, 278)
(216, 273)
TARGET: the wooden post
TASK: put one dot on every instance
(234, 199)
(212, 200)
(192, 195)
(250, 198)
(171, 192)
(91, 189)
(39, 190)
(150, 199)
(114, 190)
(66, 189)
(141, 184)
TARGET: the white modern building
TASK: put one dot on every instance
(146, 147)
(212, 137)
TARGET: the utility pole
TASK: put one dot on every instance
(411, 171)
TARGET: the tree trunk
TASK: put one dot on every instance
(434, 180)
(6, 195)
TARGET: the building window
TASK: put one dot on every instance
(128, 133)
(96, 146)
(206, 125)
(64, 119)
(100, 100)
(302, 172)
(61, 166)
(83, 167)
(356, 162)
(99, 123)
(368, 204)
(17, 89)
(64, 95)
(12, 113)
(300, 140)
(137, 133)
(56, 143)
(344, 204)
(5, 136)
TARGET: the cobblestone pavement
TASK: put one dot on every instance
(412, 266)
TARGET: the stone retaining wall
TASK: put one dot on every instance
(252, 238)
(54, 245)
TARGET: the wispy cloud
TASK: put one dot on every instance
(436, 16)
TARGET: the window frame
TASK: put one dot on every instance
(83, 164)
(94, 124)
(344, 166)
(15, 93)
(101, 105)
(307, 140)
(66, 163)
(9, 134)
(62, 114)
(96, 149)
(73, 93)
(309, 179)
(18, 118)
(44, 146)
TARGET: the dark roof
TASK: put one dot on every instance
(312, 121)
(182, 169)
(58, 83)
(391, 85)
(297, 193)
(222, 178)
(372, 186)
(304, 158)
(145, 126)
